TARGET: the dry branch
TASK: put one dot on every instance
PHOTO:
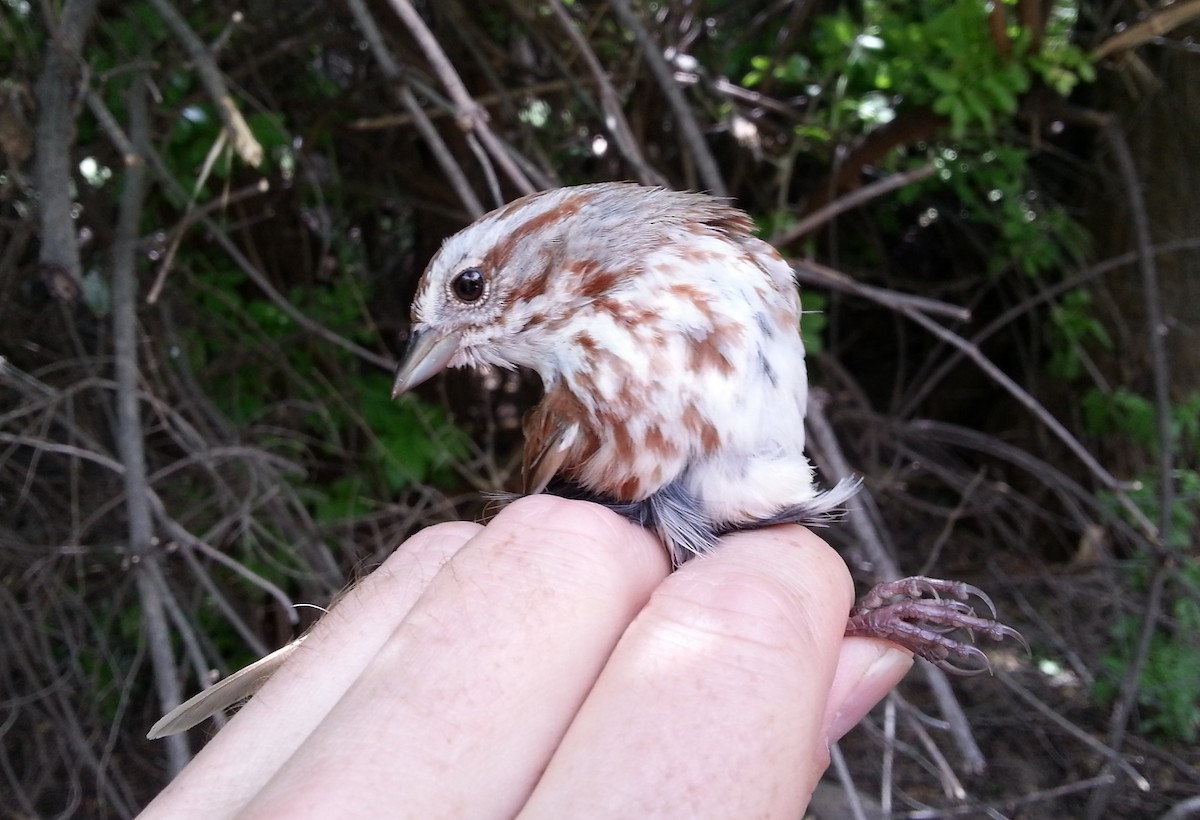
(472, 118)
(129, 434)
(56, 93)
(244, 141)
(710, 174)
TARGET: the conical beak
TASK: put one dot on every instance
(427, 354)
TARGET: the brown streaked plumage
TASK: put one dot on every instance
(667, 337)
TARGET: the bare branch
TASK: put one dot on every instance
(809, 272)
(1039, 411)
(863, 517)
(163, 174)
(56, 134)
(391, 70)
(610, 101)
(471, 115)
(244, 142)
(1161, 21)
(1156, 327)
(710, 174)
(129, 425)
(1083, 737)
(850, 201)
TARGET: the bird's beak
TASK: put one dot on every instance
(426, 355)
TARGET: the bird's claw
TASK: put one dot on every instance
(928, 610)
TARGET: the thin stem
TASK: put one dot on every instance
(130, 442)
(710, 174)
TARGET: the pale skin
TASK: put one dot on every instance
(550, 665)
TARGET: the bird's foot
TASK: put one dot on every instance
(920, 613)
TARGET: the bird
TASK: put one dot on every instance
(667, 339)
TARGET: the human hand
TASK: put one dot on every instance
(548, 665)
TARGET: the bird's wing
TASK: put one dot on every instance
(554, 438)
(544, 456)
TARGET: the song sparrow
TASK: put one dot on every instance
(668, 341)
(667, 337)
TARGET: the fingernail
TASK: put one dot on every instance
(867, 670)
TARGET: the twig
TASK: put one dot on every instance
(1162, 20)
(129, 433)
(952, 787)
(887, 766)
(227, 609)
(975, 809)
(950, 523)
(789, 111)
(161, 172)
(1046, 294)
(809, 272)
(710, 174)
(1107, 752)
(189, 219)
(610, 101)
(281, 301)
(859, 517)
(391, 70)
(397, 120)
(489, 173)
(187, 630)
(853, 800)
(158, 509)
(1069, 491)
(1039, 411)
(244, 143)
(1183, 810)
(180, 534)
(471, 116)
(850, 201)
(1157, 329)
(1156, 325)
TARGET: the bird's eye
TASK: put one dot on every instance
(468, 285)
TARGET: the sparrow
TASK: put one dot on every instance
(667, 339)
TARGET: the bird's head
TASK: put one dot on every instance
(505, 290)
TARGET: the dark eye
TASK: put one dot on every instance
(468, 285)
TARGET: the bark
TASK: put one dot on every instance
(56, 93)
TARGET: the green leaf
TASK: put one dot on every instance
(944, 81)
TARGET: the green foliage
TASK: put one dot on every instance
(869, 63)
(937, 54)
(993, 187)
(941, 54)
(415, 442)
(1060, 63)
(1169, 687)
(813, 322)
(135, 32)
(1123, 412)
(409, 441)
(1075, 327)
(795, 69)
